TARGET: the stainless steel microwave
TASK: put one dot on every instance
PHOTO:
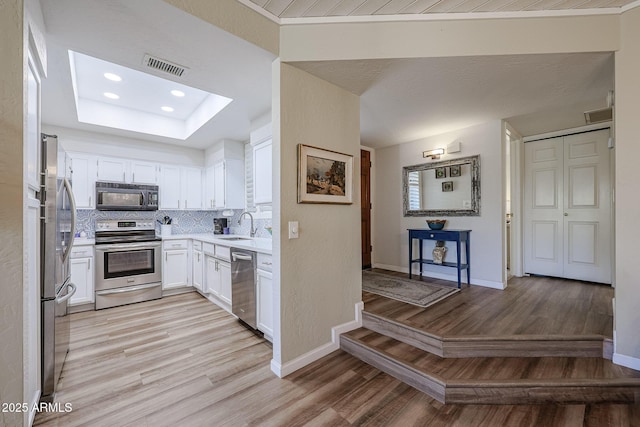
(115, 196)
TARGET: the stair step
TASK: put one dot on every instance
(495, 380)
(490, 346)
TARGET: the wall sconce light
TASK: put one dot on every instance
(434, 154)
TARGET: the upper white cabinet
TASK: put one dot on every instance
(180, 187)
(112, 169)
(83, 180)
(262, 172)
(144, 172)
(228, 184)
(191, 184)
(170, 190)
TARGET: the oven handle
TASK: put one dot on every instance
(128, 289)
(127, 247)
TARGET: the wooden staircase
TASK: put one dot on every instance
(509, 369)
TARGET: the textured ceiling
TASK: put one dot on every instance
(372, 8)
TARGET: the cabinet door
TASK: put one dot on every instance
(144, 172)
(83, 180)
(175, 269)
(114, 170)
(169, 191)
(209, 190)
(198, 272)
(262, 173)
(265, 301)
(224, 268)
(82, 277)
(192, 188)
(212, 276)
(219, 185)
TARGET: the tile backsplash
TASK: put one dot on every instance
(184, 222)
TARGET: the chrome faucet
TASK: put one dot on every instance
(252, 231)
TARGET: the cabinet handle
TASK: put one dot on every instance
(185, 204)
(134, 177)
(123, 177)
(178, 203)
(166, 256)
(89, 264)
(89, 201)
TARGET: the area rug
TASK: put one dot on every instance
(410, 291)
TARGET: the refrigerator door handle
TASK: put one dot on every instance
(63, 298)
(240, 256)
(72, 202)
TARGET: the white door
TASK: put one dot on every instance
(144, 172)
(170, 190)
(568, 207)
(114, 170)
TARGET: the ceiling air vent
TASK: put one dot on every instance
(597, 116)
(164, 65)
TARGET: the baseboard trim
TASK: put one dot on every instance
(626, 361)
(284, 369)
(32, 408)
(443, 276)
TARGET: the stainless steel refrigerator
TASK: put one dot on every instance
(57, 226)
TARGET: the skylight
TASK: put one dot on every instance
(114, 96)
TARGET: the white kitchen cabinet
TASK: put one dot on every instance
(212, 276)
(224, 268)
(82, 274)
(180, 187)
(175, 264)
(144, 172)
(198, 267)
(228, 184)
(262, 172)
(83, 180)
(209, 188)
(191, 188)
(264, 295)
(169, 189)
(112, 169)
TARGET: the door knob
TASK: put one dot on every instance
(566, 214)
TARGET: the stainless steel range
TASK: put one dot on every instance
(128, 262)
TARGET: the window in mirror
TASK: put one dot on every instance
(448, 188)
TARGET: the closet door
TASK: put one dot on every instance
(568, 207)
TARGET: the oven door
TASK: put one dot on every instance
(128, 264)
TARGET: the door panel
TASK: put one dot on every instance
(567, 230)
(365, 205)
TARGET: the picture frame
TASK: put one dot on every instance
(454, 171)
(441, 173)
(324, 176)
(447, 186)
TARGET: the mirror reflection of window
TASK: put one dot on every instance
(414, 190)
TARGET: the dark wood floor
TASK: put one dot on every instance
(181, 361)
(528, 306)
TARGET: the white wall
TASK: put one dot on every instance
(117, 146)
(627, 135)
(391, 249)
(319, 273)
(12, 208)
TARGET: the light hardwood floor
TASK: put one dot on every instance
(181, 361)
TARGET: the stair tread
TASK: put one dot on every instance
(497, 369)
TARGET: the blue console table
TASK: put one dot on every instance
(457, 236)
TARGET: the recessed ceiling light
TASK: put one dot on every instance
(111, 95)
(177, 93)
(113, 77)
(167, 109)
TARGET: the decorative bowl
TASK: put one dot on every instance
(436, 224)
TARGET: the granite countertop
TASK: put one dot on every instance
(257, 244)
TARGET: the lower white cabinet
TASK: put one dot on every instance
(218, 278)
(82, 274)
(264, 295)
(198, 270)
(175, 264)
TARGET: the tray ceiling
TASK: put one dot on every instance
(378, 8)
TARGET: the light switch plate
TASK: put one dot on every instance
(293, 229)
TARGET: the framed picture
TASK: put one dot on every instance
(447, 186)
(324, 176)
(441, 173)
(454, 171)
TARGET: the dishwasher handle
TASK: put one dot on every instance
(241, 256)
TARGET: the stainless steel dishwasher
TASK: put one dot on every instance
(243, 286)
